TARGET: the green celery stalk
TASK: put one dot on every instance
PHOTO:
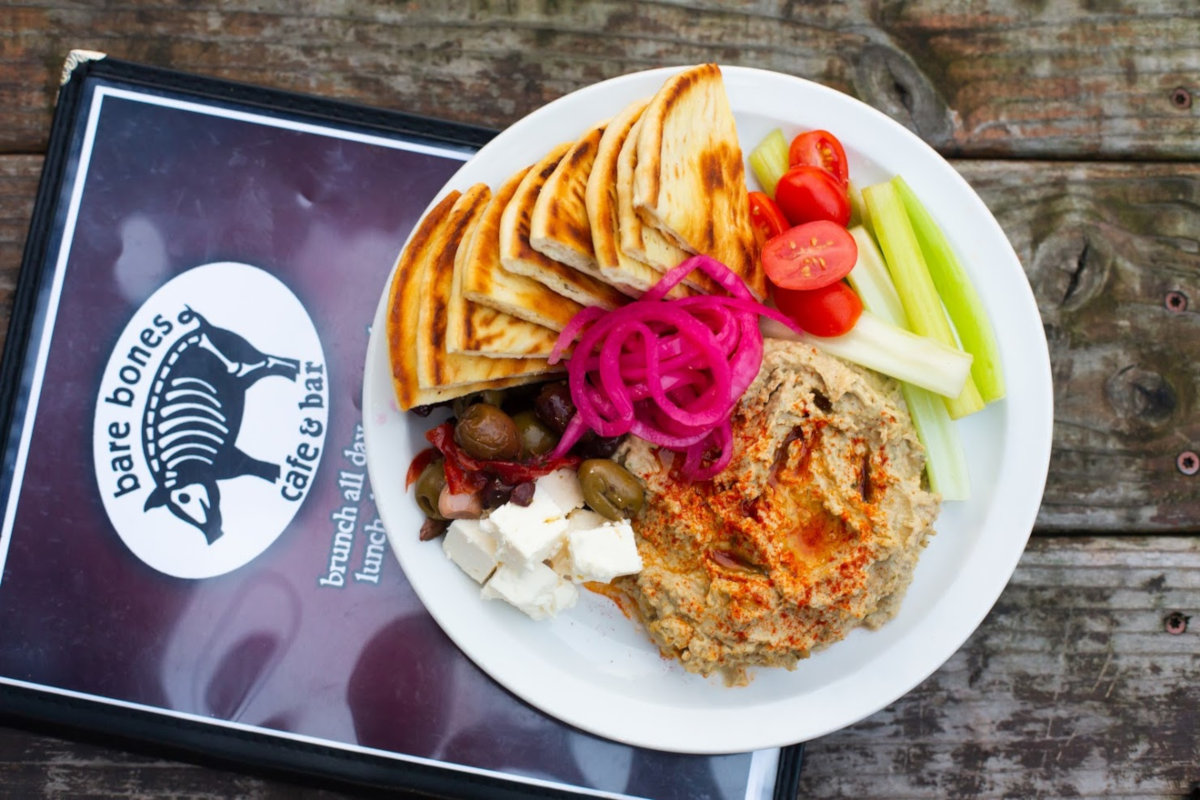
(945, 459)
(770, 160)
(958, 294)
(858, 212)
(891, 350)
(906, 264)
(870, 279)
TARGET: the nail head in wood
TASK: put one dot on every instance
(1175, 623)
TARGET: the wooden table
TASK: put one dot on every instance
(1075, 121)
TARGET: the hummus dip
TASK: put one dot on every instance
(812, 530)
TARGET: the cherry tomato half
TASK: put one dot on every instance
(829, 311)
(807, 193)
(820, 149)
(768, 220)
(809, 256)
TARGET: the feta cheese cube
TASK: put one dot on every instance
(603, 552)
(535, 589)
(562, 488)
(528, 534)
(470, 544)
(584, 518)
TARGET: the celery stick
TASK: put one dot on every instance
(958, 294)
(858, 212)
(894, 351)
(871, 280)
(910, 275)
(770, 160)
(945, 460)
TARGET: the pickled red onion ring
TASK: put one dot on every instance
(669, 371)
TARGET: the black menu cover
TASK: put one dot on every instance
(190, 553)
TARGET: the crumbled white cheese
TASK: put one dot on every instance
(535, 589)
(603, 552)
(584, 518)
(471, 545)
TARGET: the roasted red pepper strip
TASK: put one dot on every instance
(420, 461)
(467, 474)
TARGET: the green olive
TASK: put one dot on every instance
(536, 437)
(609, 489)
(428, 488)
(486, 432)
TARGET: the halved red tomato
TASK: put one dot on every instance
(822, 149)
(807, 193)
(829, 311)
(809, 256)
(768, 220)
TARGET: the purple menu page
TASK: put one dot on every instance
(189, 528)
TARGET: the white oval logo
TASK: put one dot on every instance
(210, 420)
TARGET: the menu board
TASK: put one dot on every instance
(190, 549)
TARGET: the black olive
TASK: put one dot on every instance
(495, 493)
(554, 406)
(522, 493)
(593, 445)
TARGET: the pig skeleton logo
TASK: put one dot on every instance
(193, 417)
(210, 420)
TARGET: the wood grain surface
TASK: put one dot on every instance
(1070, 78)
(1076, 124)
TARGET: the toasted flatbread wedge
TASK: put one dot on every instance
(616, 266)
(487, 283)
(644, 242)
(520, 258)
(559, 227)
(475, 329)
(406, 298)
(689, 180)
(638, 240)
(436, 366)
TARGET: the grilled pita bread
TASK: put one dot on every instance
(637, 239)
(436, 366)
(559, 226)
(413, 318)
(615, 265)
(520, 258)
(689, 180)
(487, 283)
(476, 329)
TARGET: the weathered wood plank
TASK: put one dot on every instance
(1104, 246)
(1073, 686)
(1006, 78)
(1113, 254)
(37, 765)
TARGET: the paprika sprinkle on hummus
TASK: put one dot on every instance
(812, 530)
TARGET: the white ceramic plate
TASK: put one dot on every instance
(593, 668)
